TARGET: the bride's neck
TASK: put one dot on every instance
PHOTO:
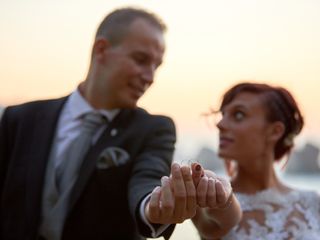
(253, 179)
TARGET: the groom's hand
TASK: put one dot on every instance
(175, 200)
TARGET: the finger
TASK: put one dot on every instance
(197, 173)
(153, 207)
(191, 204)
(179, 192)
(222, 195)
(211, 194)
(167, 201)
(202, 189)
(226, 185)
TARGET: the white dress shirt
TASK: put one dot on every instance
(69, 123)
(69, 128)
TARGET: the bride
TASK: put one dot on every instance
(258, 126)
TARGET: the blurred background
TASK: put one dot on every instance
(211, 45)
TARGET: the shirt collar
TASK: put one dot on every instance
(78, 106)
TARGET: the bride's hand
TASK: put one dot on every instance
(212, 191)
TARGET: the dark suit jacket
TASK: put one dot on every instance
(104, 203)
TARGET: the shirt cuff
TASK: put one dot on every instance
(155, 231)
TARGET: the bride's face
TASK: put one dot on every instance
(243, 129)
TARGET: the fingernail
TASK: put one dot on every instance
(218, 182)
(198, 167)
(211, 180)
(164, 180)
(175, 166)
(157, 189)
(185, 170)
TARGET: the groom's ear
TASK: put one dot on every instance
(100, 49)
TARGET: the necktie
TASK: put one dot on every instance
(67, 172)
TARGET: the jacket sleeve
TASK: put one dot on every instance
(153, 162)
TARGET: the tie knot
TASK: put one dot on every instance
(93, 120)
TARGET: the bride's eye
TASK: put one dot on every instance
(238, 115)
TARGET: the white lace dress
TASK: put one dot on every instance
(295, 215)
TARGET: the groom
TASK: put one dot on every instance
(100, 189)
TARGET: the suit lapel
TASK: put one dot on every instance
(42, 138)
(110, 137)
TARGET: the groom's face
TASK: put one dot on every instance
(131, 65)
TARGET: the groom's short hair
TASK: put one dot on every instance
(116, 24)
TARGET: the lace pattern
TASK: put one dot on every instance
(278, 216)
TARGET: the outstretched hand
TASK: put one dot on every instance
(212, 191)
(175, 201)
(186, 189)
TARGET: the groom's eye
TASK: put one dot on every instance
(140, 58)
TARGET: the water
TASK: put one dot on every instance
(302, 181)
(186, 230)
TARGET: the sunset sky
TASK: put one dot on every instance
(45, 47)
